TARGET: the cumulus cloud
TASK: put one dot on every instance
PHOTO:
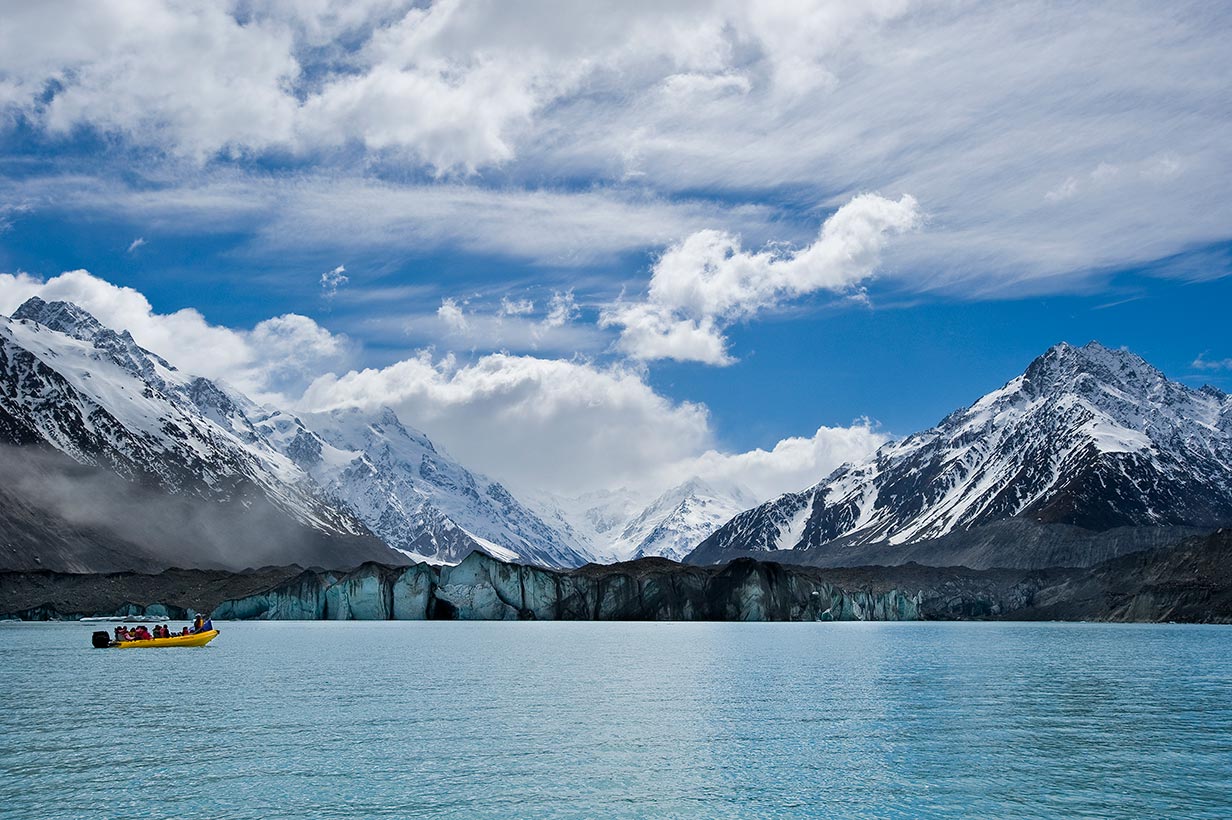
(274, 359)
(573, 426)
(451, 314)
(792, 464)
(708, 280)
(539, 423)
(331, 280)
(191, 79)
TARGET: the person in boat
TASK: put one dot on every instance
(121, 633)
(142, 634)
(198, 624)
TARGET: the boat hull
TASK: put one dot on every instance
(199, 639)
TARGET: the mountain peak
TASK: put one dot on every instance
(1065, 367)
(64, 317)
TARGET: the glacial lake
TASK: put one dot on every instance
(609, 720)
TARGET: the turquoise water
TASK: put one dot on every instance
(591, 720)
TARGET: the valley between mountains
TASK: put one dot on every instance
(112, 460)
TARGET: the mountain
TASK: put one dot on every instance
(417, 499)
(1086, 441)
(126, 462)
(674, 523)
(616, 526)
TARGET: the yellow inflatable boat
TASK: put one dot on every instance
(196, 639)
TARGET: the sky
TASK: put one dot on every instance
(586, 246)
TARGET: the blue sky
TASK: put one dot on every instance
(708, 229)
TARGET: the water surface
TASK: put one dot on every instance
(596, 720)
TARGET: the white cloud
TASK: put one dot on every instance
(135, 244)
(542, 423)
(332, 280)
(993, 114)
(516, 307)
(573, 426)
(793, 463)
(276, 358)
(451, 314)
(506, 326)
(7, 212)
(561, 310)
(1203, 363)
(708, 280)
(188, 78)
(318, 214)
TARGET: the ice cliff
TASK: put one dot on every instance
(483, 588)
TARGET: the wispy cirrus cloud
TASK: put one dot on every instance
(1210, 365)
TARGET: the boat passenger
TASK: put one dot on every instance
(198, 622)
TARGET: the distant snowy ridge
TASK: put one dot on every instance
(1087, 436)
(617, 526)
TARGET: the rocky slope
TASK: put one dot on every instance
(1088, 437)
(1189, 582)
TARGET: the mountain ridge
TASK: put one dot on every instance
(1087, 436)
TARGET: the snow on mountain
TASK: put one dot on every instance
(98, 397)
(680, 519)
(620, 526)
(591, 522)
(1087, 436)
(409, 493)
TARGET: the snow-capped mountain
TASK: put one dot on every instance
(677, 521)
(93, 394)
(98, 397)
(619, 526)
(1087, 436)
(417, 499)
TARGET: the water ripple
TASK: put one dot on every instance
(478, 720)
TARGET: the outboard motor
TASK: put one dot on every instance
(101, 640)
